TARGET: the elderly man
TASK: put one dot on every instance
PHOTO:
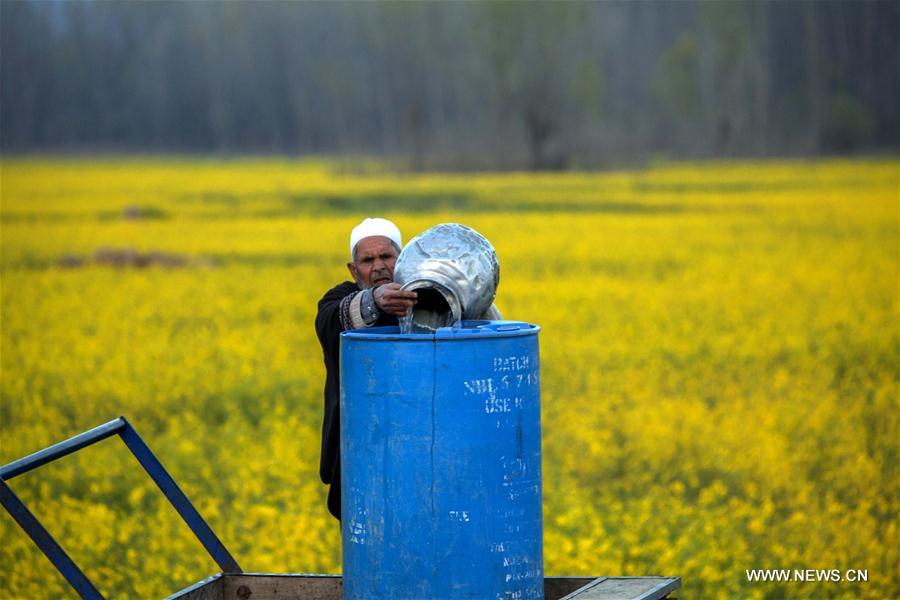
(371, 299)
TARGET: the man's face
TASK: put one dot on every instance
(374, 262)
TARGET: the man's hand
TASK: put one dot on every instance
(388, 298)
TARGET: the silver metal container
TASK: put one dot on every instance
(455, 272)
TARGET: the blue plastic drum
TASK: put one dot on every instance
(441, 462)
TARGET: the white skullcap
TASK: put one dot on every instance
(373, 227)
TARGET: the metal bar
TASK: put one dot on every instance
(594, 583)
(665, 588)
(147, 460)
(47, 544)
(214, 582)
(158, 473)
(51, 453)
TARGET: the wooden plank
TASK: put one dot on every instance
(557, 587)
(210, 588)
(262, 586)
(627, 588)
(251, 586)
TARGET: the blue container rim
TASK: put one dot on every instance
(468, 330)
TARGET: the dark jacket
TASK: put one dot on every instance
(328, 328)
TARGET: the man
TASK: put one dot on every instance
(372, 299)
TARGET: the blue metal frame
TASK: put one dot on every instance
(121, 427)
(47, 544)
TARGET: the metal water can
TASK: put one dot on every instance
(441, 462)
(455, 272)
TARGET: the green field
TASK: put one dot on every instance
(720, 353)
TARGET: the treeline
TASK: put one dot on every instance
(453, 85)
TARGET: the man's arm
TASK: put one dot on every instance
(347, 307)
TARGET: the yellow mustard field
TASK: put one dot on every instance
(719, 354)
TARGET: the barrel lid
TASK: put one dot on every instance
(465, 331)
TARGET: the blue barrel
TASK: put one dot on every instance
(441, 462)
